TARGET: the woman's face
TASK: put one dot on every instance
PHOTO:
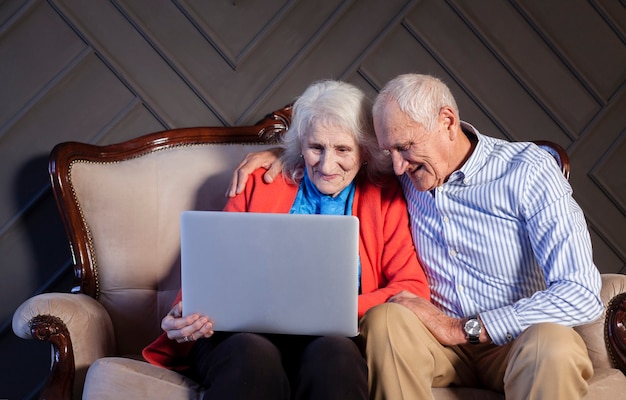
(332, 157)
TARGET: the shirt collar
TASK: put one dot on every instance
(476, 160)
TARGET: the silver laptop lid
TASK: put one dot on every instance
(271, 273)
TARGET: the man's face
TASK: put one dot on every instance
(414, 151)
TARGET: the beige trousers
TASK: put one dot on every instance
(547, 362)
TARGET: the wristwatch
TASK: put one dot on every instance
(472, 328)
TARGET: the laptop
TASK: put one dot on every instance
(271, 273)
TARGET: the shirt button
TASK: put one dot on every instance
(446, 219)
(509, 337)
(439, 189)
(452, 252)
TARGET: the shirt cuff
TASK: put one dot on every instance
(501, 324)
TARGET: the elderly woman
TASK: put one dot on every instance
(331, 165)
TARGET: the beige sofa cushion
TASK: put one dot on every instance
(132, 209)
(592, 333)
(116, 378)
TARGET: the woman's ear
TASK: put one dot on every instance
(365, 156)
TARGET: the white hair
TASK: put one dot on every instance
(420, 97)
(332, 103)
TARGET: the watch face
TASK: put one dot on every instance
(472, 327)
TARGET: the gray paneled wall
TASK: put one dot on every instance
(103, 71)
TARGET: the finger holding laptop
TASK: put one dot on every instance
(186, 329)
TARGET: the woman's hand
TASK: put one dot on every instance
(186, 329)
(267, 159)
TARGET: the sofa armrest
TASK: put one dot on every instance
(614, 291)
(79, 330)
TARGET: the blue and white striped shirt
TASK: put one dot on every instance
(504, 238)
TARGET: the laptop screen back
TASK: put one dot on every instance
(271, 273)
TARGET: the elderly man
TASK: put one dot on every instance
(504, 246)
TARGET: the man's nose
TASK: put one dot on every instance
(399, 163)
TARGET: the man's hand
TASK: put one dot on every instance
(447, 330)
(267, 159)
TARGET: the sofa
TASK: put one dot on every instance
(121, 206)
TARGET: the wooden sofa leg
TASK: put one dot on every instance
(61, 379)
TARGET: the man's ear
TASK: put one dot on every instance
(449, 121)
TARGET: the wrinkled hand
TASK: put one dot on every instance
(186, 329)
(267, 159)
(447, 330)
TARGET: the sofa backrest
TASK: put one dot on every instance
(121, 206)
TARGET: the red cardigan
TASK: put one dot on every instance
(389, 264)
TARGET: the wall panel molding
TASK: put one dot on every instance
(104, 71)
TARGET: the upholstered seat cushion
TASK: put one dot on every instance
(110, 377)
(606, 383)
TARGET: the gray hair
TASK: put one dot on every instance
(420, 97)
(333, 103)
